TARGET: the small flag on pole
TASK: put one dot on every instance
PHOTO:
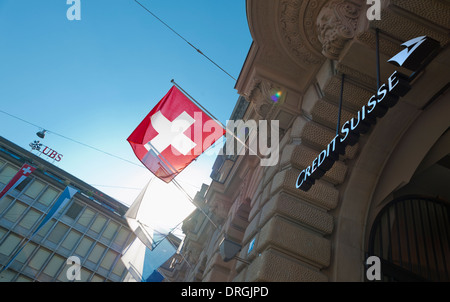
(20, 176)
(142, 263)
(173, 134)
(142, 231)
(63, 199)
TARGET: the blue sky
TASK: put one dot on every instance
(95, 79)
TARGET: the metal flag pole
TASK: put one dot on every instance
(340, 104)
(179, 187)
(214, 118)
(377, 45)
(173, 243)
(192, 201)
(179, 252)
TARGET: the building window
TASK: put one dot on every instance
(110, 230)
(23, 184)
(84, 275)
(86, 217)
(2, 233)
(121, 237)
(84, 246)
(48, 197)
(96, 253)
(22, 278)
(7, 276)
(98, 224)
(97, 278)
(39, 258)
(108, 260)
(9, 244)
(71, 240)
(5, 202)
(74, 210)
(58, 233)
(35, 189)
(30, 219)
(119, 268)
(14, 213)
(63, 274)
(54, 265)
(44, 229)
(7, 174)
(27, 251)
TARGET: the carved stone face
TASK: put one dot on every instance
(336, 24)
(328, 34)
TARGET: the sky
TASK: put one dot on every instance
(92, 81)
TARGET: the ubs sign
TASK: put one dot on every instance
(36, 145)
(387, 96)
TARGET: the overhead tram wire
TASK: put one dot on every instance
(189, 43)
(72, 140)
(88, 146)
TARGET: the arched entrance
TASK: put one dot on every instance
(398, 159)
(411, 236)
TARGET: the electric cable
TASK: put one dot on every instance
(88, 146)
(71, 139)
(189, 43)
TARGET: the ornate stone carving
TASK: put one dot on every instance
(260, 97)
(295, 21)
(336, 24)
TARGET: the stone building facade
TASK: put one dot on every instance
(300, 51)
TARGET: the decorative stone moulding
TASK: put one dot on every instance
(262, 98)
(297, 32)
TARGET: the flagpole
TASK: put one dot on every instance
(214, 118)
(181, 188)
(192, 201)
(181, 254)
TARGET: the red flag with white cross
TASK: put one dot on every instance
(173, 134)
(20, 176)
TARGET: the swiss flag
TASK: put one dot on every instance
(23, 173)
(173, 134)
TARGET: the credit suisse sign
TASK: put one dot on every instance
(387, 96)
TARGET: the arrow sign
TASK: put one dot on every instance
(416, 51)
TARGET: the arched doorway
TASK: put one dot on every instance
(411, 236)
